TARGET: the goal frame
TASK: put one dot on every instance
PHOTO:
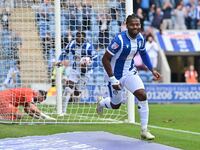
(131, 98)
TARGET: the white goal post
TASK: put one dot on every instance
(44, 28)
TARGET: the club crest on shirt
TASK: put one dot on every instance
(114, 45)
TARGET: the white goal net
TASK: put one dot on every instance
(28, 57)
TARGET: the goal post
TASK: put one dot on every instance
(44, 32)
(131, 98)
(58, 52)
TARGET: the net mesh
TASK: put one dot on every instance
(27, 56)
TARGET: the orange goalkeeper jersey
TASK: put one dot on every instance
(17, 96)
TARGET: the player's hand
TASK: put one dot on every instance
(115, 83)
(156, 75)
(58, 64)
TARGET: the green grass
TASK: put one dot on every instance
(177, 116)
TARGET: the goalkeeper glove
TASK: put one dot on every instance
(44, 116)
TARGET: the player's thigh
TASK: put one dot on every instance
(116, 95)
(133, 83)
(74, 75)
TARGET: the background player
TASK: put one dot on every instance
(11, 99)
(82, 53)
(119, 65)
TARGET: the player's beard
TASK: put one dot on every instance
(133, 33)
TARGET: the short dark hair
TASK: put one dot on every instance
(81, 33)
(132, 16)
(149, 35)
(43, 93)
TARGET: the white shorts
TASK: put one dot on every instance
(131, 82)
(76, 77)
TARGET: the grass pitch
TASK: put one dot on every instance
(177, 116)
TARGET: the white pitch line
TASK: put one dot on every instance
(171, 129)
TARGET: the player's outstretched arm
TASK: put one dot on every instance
(34, 112)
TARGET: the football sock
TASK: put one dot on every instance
(143, 109)
(65, 103)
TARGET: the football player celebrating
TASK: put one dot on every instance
(119, 64)
(81, 53)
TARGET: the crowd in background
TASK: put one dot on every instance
(100, 25)
(169, 14)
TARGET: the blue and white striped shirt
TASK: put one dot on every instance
(77, 51)
(124, 48)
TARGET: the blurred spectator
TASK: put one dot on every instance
(190, 14)
(13, 78)
(167, 15)
(197, 16)
(152, 13)
(10, 43)
(179, 14)
(113, 3)
(86, 23)
(114, 26)
(104, 21)
(47, 45)
(136, 5)
(67, 36)
(74, 23)
(145, 5)
(157, 19)
(16, 43)
(191, 75)
(44, 13)
(152, 49)
(5, 18)
(121, 11)
(140, 15)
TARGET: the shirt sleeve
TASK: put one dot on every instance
(65, 51)
(143, 53)
(90, 50)
(114, 46)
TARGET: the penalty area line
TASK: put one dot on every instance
(171, 129)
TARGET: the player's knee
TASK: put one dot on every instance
(141, 95)
(114, 106)
(68, 90)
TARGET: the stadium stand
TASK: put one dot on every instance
(23, 22)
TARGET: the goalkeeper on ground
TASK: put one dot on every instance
(11, 99)
(79, 53)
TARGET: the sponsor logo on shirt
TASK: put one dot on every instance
(114, 45)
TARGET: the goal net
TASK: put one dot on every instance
(29, 55)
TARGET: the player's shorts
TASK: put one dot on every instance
(131, 82)
(76, 77)
(8, 111)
